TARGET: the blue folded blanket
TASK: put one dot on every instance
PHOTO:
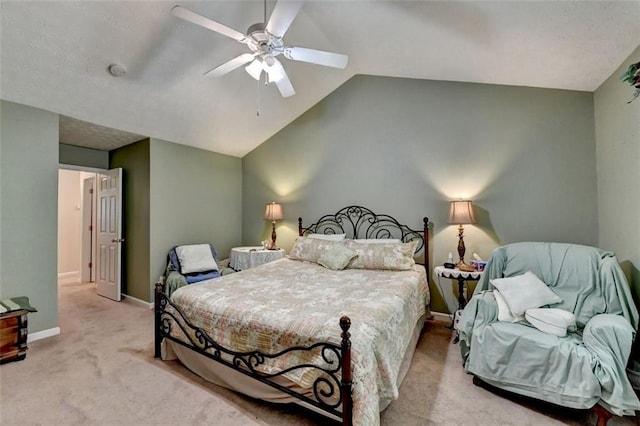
(194, 278)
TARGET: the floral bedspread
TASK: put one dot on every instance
(289, 302)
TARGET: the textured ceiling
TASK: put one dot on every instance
(90, 135)
(55, 54)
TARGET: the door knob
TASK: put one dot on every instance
(118, 240)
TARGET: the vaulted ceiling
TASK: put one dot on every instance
(55, 56)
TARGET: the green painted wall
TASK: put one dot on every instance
(525, 156)
(174, 194)
(617, 124)
(134, 161)
(29, 210)
(196, 197)
(80, 156)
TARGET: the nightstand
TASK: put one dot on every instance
(461, 277)
(13, 336)
(242, 258)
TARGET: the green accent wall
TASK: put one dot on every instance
(617, 125)
(195, 197)
(81, 156)
(525, 156)
(136, 212)
(29, 210)
(174, 194)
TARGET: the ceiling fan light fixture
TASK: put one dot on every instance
(269, 60)
(275, 72)
(255, 68)
(274, 77)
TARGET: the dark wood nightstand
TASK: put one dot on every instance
(13, 336)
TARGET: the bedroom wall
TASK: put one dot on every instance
(136, 213)
(195, 197)
(174, 194)
(86, 157)
(29, 210)
(617, 125)
(525, 156)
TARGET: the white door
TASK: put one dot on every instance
(108, 259)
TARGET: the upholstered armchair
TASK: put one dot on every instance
(567, 346)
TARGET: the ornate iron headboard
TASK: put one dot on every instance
(360, 222)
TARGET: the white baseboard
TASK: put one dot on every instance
(69, 277)
(32, 337)
(137, 301)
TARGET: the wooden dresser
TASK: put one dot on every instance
(13, 336)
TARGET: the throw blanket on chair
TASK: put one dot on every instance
(15, 304)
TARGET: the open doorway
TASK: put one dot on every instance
(76, 226)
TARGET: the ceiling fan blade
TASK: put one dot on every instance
(227, 67)
(313, 56)
(278, 75)
(188, 15)
(282, 16)
(285, 87)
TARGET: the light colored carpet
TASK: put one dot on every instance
(100, 371)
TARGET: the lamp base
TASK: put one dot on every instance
(272, 245)
(464, 267)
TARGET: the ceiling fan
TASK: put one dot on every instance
(265, 40)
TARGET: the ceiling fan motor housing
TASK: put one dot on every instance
(259, 40)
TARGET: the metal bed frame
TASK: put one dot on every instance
(332, 389)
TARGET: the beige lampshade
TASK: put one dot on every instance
(461, 212)
(273, 212)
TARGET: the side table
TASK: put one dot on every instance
(242, 258)
(461, 277)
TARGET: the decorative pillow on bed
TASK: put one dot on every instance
(195, 258)
(328, 237)
(310, 249)
(392, 256)
(525, 291)
(336, 257)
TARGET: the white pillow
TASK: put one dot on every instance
(327, 237)
(504, 313)
(551, 320)
(376, 240)
(196, 258)
(525, 291)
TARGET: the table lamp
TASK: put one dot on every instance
(273, 212)
(461, 213)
